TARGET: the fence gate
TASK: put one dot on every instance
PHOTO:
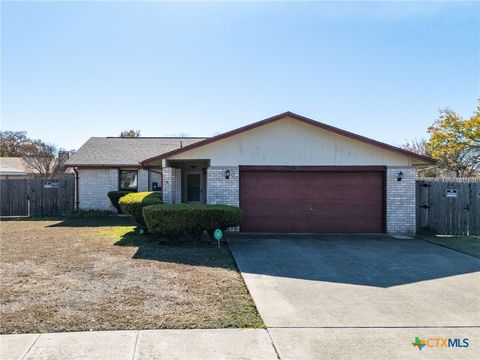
(37, 196)
(448, 206)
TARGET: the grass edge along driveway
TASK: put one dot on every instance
(469, 245)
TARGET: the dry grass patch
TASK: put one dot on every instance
(99, 275)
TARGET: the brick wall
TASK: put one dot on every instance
(172, 185)
(401, 200)
(94, 184)
(167, 185)
(142, 180)
(177, 185)
(221, 190)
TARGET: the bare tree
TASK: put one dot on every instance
(130, 133)
(418, 146)
(45, 159)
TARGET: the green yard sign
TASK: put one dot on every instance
(218, 234)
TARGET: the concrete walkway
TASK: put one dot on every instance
(136, 345)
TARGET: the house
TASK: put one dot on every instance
(14, 168)
(17, 168)
(288, 173)
(104, 164)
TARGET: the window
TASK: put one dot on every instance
(128, 180)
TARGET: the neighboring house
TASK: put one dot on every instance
(288, 173)
(14, 168)
(17, 168)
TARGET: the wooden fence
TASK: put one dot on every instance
(37, 196)
(448, 206)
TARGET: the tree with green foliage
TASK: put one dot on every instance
(455, 142)
(15, 143)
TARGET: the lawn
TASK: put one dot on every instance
(468, 245)
(84, 274)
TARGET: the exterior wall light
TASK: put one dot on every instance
(400, 176)
(227, 174)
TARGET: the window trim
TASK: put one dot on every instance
(120, 180)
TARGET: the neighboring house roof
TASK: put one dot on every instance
(118, 151)
(14, 166)
(17, 166)
(300, 118)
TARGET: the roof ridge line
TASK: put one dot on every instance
(297, 117)
(152, 137)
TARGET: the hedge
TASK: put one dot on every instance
(114, 196)
(172, 220)
(222, 217)
(133, 203)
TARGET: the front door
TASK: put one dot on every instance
(194, 187)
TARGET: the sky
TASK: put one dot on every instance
(72, 70)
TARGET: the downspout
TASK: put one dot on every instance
(77, 196)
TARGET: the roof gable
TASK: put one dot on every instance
(299, 118)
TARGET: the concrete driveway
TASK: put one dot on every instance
(318, 294)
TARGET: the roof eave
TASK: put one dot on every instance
(12, 173)
(102, 165)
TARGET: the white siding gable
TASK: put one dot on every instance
(291, 142)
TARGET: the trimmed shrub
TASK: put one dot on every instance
(196, 220)
(166, 220)
(114, 196)
(172, 220)
(133, 203)
(222, 217)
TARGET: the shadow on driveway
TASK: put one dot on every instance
(377, 261)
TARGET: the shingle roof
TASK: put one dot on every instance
(109, 151)
(13, 166)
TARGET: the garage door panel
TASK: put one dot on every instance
(312, 201)
(281, 208)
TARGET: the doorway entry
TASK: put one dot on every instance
(194, 187)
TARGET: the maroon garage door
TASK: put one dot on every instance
(312, 200)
